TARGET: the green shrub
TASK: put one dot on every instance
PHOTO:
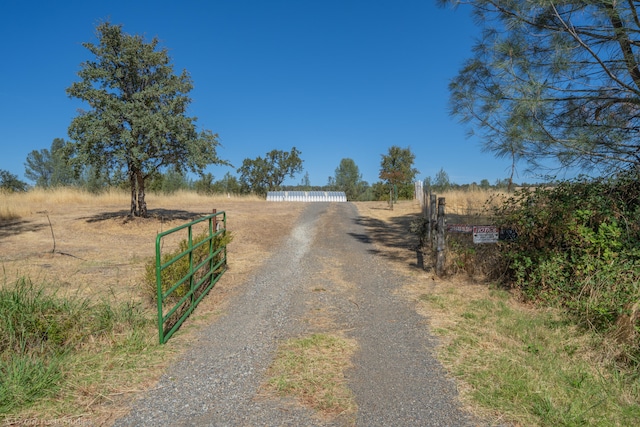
(578, 247)
(179, 269)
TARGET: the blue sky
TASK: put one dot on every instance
(334, 78)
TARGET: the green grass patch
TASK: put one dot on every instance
(436, 300)
(311, 369)
(59, 354)
(532, 366)
(25, 379)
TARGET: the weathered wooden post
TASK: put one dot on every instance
(432, 220)
(440, 246)
(425, 204)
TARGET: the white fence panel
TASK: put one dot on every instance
(306, 196)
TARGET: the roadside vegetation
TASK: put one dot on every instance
(61, 356)
(562, 346)
(525, 365)
(577, 247)
(543, 328)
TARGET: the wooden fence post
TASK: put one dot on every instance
(425, 204)
(432, 220)
(440, 246)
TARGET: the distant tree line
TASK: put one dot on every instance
(54, 167)
(441, 183)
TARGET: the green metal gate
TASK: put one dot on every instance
(202, 261)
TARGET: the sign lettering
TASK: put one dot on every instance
(485, 234)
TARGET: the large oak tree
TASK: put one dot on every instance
(261, 175)
(555, 80)
(137, 118)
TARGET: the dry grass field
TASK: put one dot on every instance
(86, 244)
(100, 252)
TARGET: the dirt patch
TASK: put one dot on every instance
(389, 229)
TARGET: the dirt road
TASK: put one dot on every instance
(325, 277)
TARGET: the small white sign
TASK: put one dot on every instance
(460, 228)
(485, 234)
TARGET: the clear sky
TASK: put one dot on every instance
(334, 78)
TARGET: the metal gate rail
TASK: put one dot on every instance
(196, 289)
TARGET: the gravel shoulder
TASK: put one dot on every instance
(325, 277)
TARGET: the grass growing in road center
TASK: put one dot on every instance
(311, 369)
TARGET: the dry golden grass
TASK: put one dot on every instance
(466, 203)
(100, 250)
(102, 253)
(40, 200)
(14, 205)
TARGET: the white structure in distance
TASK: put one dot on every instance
(306, 196)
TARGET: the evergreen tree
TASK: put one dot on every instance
(349, 179)
(11, 182)
(441, 181)
(50, 168)
(555, 80)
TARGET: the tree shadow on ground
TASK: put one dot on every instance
(396, 242)
(394, 238)
(162, 215)
(15, 227)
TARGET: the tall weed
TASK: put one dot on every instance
(25, 379)
(41, 334)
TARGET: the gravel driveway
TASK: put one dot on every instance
(395, 379)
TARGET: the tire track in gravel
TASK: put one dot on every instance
(395, 379)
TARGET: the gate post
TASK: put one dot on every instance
(432, 220)
(440, 246)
